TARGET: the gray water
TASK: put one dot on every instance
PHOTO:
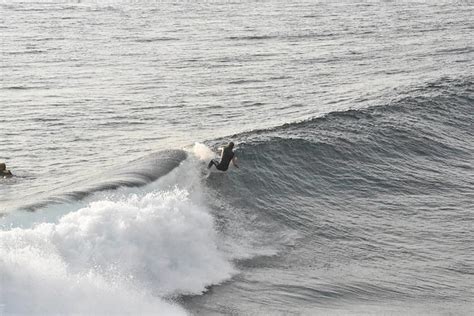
(92, 92)
(86, 86)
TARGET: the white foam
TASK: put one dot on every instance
(35, 279)
(122, 253)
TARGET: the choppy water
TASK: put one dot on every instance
(355, 138)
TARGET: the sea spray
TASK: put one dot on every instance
(203, 152)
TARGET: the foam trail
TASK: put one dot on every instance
(122, 253)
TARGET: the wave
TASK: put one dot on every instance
(156, 39)
(376, 196)
(244, 81)
(418, 144)
(252, 37)
(123, 251)
(135, 174)
(439, 97)
(163, 227)
(128, 248)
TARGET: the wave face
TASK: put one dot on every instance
(380, 198)
(417, 145)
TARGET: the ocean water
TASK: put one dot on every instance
(353, 125)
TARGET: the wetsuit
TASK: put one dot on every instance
(6, 174)
(223, 165)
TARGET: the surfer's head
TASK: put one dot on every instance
(231, 145)
(2, 166)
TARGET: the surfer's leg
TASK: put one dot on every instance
(212, 162)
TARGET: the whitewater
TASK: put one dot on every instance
(115, 252)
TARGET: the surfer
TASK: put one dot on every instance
(227, 156)
(4, 173)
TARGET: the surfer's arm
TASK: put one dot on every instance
(234, 162)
